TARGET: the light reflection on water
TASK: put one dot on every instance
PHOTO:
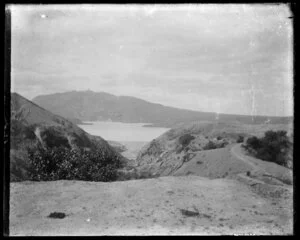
(118, 131)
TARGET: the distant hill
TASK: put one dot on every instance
(92, 106)
(31, 124)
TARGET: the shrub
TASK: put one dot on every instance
(240, 139)
(53, 137)
(253, 142)
(187, 157)
(273, 147)
(222, 144)
(60, 163)
(210, 145)
(185, 139)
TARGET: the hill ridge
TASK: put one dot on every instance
(101, 106)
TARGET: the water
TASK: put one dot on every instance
(123, 132)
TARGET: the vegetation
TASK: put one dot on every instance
(60, 163)
(52, 137)
(210, 145)
(188, 156)
(19, 132)
(273, 147)
(240, 139)
(213, 145)
(185, 139)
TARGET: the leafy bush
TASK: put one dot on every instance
(253, 142)
(60, 163)
(210, 145)
(185, 139)
(273, 147)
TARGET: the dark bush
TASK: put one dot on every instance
(222, 144)
(81, 140)
(60, 163)
(185, 139)
(219, 138)
(210, 145)
(53, 137)
(240, 139)
(253, 142)
(273, 147)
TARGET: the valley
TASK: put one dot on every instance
(195, 178)
(149, 120)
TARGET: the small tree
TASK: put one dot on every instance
(273, 147)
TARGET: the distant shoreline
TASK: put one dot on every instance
(85, 123)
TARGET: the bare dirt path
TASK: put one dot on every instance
(261, 169)
(236, 151)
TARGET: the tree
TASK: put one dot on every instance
(273, 147)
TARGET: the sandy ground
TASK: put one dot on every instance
(146, 207)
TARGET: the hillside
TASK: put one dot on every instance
(31, 124)
(92, 106)
(199, 148)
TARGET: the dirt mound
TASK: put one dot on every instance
(188, 205)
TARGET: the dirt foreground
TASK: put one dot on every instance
(182, 205)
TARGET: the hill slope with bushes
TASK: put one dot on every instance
(198, 142)
(35, 128)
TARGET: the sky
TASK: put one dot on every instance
(225, 58)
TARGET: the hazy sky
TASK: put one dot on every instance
(221, 58)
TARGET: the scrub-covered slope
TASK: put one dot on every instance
(204, 145)
(31, 124)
